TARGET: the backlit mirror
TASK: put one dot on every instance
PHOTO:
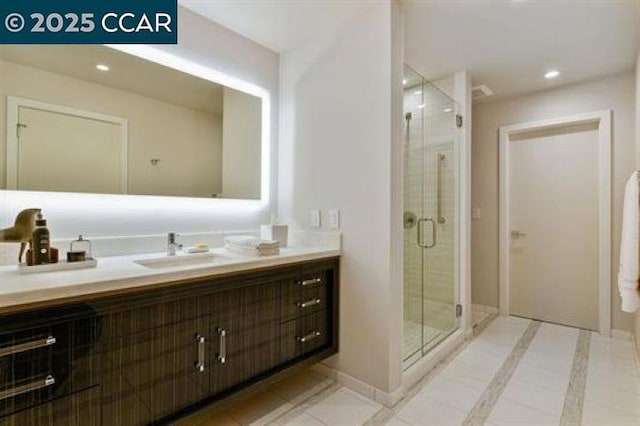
(94, 119)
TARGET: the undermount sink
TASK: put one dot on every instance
(182, 260)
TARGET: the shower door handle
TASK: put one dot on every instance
(433, 228)
(441, 218)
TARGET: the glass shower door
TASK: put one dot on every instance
(430, 217)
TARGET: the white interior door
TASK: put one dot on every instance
(554, 225)
(68, 153)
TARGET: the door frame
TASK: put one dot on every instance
(14, 104)
(603, 120)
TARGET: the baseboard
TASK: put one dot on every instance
(388, 399)
(621, 334)
(484, 308)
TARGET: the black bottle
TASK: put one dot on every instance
(40, 242)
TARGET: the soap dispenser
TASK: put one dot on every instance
(40, 242)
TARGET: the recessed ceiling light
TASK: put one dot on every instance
(447, 109)
(551, 74)
(418, 92)
(421, 106)
(102, 67)
(404, 81)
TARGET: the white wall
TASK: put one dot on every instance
(336, 153)
(613, 92)
(241, 157)
(638, 167)
(188, 142)
(208, 44)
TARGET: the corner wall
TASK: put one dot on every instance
(336, 153)
(613, 92)
(637, 325)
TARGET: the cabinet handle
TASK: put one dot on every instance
(312, 281)
(28, 346)
(200, 363)
(308, 303)
(308, 337)
(29, 387)
(222, 335)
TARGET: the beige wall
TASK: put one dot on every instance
(613, 92)
(188, 142)
(241, 131)
(338, 155)
(638, 166)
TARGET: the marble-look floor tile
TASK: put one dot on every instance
(421, 411)
(508, 412)
(304, 419)
(452, 392)
(595, 412)
(344, 407)
(395, 421)
(545, 400)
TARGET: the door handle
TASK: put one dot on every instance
(29, 387)
(28, 346)
(441, 218)
(433, 229)
(222, 335)
(200, 363)
(517, 234)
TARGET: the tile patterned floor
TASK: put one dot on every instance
(515, 372)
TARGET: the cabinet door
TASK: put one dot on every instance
(79, 409)
(149, 362)
(245, 329)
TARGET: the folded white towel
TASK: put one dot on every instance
(628, 274)
(247, 251)
(251, 242)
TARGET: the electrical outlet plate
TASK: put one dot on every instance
(334, 219)
(315, 218)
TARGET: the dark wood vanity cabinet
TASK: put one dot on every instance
(150, 357)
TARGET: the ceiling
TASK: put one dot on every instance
(280, 25)
(510, 44)
(127, 72)
(506, 44)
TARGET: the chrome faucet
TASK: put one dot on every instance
(172, 246)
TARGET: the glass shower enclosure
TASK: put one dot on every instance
(430, 292)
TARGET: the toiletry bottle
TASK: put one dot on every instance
(40, 242)
(80, 250)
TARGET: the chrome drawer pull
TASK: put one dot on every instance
(222, 356)
(28, 346)
(308, 303)
(29, 387)
(312, 281)
(308, 337)
(200, 363)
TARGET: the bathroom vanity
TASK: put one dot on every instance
(160, 344)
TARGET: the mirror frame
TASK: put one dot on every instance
(161, 57)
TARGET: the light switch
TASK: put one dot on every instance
(315, 218)
(334, 219)
(475, 213)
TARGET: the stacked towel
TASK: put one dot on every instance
(252, 246)
(629, 247)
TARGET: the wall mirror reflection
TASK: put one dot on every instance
(93, 119)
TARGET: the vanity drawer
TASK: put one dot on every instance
(44, 363)
(304, 295)
(303, 335)
(303, 301)
(78, 409)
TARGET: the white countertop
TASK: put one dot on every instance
(116, 273)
